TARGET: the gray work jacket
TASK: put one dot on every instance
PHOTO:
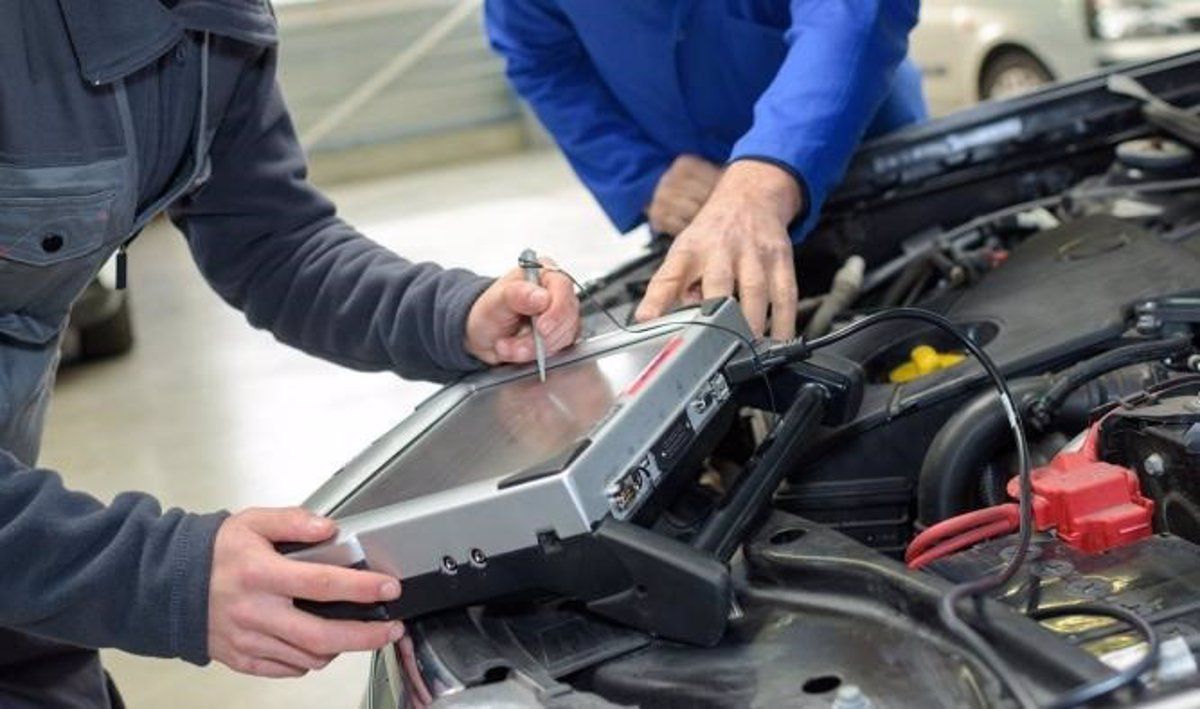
(112, 111)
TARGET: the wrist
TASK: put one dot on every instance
(763, 185)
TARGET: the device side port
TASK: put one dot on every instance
(624, 491)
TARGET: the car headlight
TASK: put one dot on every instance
(1125, 19)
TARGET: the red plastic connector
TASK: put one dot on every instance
(1093, 505)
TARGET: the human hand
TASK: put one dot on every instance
(254, 628)
(681, 193)
(737, 243)
(498, 326)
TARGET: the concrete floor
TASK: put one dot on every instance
(207, 413)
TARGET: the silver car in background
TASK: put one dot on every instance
(974, 50)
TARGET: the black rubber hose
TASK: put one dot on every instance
(1070, 379)
(966, 443)
(1075, 410)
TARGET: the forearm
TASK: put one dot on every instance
(327, 290)
(272, 245)
(126, 575)
(835, 76)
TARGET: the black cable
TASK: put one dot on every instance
(1067, 381)
(1094, 690)
(948, 608)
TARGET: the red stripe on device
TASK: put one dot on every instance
(648, 373)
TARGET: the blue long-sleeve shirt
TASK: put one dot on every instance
(625, 86)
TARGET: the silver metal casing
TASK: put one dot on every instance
(675, 395)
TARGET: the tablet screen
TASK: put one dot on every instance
(509, 428)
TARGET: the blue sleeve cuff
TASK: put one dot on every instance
(626, 206)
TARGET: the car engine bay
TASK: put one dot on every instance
(1060, 233)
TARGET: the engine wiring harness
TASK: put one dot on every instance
(760, 360)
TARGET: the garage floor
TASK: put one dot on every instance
(207, 413)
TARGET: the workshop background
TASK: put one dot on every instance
(410, 125)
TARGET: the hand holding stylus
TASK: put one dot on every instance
(499, 327)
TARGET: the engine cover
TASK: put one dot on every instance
(1063, 295)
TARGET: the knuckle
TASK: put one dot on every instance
(380, 635)
(321, 582)
(241, 612)
(323, 644)
(774, 247)
(768, 251)
(306, 638)
(331, 642)
(242, 643)
(252, 575)
(240, 663)
(753, 284)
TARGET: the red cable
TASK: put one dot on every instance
(969, 538)
(963, 523)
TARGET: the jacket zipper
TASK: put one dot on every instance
(197, 166)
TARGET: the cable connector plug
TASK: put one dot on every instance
(766, 357)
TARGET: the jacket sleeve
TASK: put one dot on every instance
(126, 575)
(550, 69)
(838, 70)
(272, 245)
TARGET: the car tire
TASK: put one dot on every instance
(1011, 72)
(110, 337)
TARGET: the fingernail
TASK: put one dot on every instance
(396, 632)
(389, 590)
(319, 524)
(540, 297)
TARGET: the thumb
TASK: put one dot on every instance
(289, 524)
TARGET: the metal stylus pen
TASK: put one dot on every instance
(528, 261)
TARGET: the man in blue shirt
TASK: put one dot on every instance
(649, 99)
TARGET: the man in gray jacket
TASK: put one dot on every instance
(112, 111)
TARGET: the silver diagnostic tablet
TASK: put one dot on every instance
(476, 494)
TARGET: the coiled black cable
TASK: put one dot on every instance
(948, 607)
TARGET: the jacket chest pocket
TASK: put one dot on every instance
(44, 231)
(50, 248)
